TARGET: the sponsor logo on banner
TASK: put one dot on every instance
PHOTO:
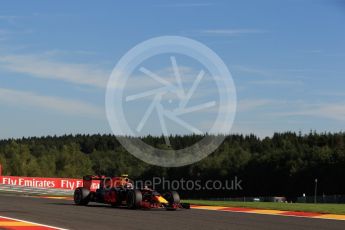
(43, 182)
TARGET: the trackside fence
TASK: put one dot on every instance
(40, 185)
(34, 190)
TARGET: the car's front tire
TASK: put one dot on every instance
(134, 199)
(172, 197)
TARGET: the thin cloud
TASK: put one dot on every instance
(56, 52)
(231, 32)
(186, 4)
(330, 93)
(3, 34)
(141, 82)
(329, 111)
(251, 70)
(8, 18)
(246, 105)
(277, 82)
(29, 99)
(269, 76)
(332, 111)
(315, 51)
(42, 67)
(269, 72)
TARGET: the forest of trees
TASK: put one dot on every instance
(285, 164)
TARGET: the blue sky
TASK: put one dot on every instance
(287, 59)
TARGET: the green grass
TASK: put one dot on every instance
(301, 207)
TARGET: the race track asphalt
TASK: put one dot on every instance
(64, 214)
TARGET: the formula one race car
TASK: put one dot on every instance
(120, 192)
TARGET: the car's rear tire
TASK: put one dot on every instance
(134, 199)
(118, 200)
(81, 196)
(172, 197)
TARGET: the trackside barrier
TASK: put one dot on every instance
(33, 190)
(41, 185)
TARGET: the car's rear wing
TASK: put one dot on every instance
(89, 180)
(106, 182)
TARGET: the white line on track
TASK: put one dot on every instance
(30, 222)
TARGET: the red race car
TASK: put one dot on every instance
(120, 191)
